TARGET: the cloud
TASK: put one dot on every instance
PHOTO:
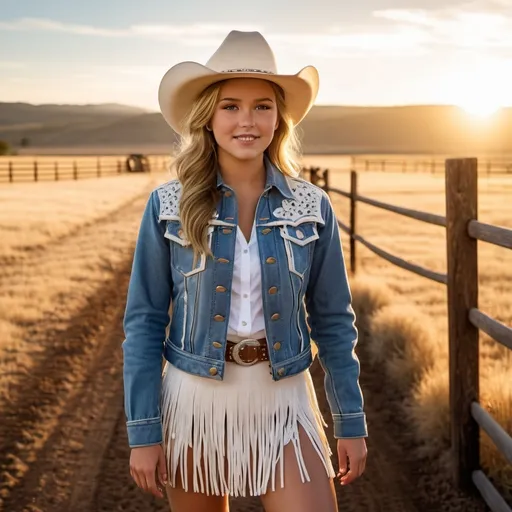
(481, 24)
(193, 34)
(402, 41)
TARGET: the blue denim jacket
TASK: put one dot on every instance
(300, 254)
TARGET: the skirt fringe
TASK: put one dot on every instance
(239, 427)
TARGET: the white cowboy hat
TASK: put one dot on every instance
(241, 55)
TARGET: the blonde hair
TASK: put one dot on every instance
(196, 163)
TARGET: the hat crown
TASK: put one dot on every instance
(243, 51)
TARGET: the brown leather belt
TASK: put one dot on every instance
(247, 352)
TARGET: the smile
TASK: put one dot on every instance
(246, 138)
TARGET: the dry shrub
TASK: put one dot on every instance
(369, 295)
(403, 341)
(496, 398)
(428, 411)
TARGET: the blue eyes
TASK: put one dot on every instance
(261, 107)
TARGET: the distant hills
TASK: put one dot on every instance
(327, 129)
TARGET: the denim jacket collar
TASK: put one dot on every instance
(275, 178)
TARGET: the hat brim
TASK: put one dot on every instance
(183, 83)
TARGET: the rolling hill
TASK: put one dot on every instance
(327, 129)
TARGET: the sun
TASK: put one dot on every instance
(480, 107)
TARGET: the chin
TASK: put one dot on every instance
(246, 155)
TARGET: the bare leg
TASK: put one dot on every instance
(190, 501)
(295, 496)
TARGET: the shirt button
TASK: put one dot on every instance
(246, 251)
(244, 323)
(245, 295)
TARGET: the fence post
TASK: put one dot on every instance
(98, 168)
(326, 180)
(11, 178)
(119, 166)
(313, 175)
(462, 262)
(75, 170)
(56, 170)
(353, 195)
(35, 171)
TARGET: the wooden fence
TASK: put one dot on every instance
(432, 165)
(463, 230)
(23, 169)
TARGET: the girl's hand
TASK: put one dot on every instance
(355, 450)
(145, 463)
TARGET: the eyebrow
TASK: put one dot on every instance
(255, 101)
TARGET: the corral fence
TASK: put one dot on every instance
(23, 169)
(432, 165)
(463, 230)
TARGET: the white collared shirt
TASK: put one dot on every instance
(246, 311)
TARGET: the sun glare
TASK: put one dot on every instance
(481, 108)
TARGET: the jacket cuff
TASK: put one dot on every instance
(145, 432)
(350, 425)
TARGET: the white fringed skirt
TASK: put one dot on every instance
(239, 427)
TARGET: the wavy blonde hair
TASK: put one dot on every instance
(196, 163)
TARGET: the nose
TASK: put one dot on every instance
(246, 118)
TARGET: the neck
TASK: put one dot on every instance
(242, 173)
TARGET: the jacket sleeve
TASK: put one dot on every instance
(145, 320)
(331, 318)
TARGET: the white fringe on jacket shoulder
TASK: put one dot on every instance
(240, 426)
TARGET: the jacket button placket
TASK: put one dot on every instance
(270, 275)
(224, 251)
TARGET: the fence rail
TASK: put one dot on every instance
(465, 320)
(431, 165)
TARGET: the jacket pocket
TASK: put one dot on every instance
(182, 255)
(298, 245)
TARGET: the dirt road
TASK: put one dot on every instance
(63, 442)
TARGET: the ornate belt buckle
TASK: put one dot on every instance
(248, 342)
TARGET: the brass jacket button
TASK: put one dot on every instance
(266, 231)
(271, 260)
(222, 260)
(216, 344)
(280, 372)
(272, 290)
(220, 289)
(213, 370)
(275, 316)
(227, 231)
(218, 318)
(277, 345)
(180, 233)
(228, 193)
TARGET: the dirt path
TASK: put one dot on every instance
(63, 443)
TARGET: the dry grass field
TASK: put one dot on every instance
(59, 243)
(406, 315)
(62, 247)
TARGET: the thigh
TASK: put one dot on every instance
(296, 496)
(190, 501)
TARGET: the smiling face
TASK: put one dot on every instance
(245, 118)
